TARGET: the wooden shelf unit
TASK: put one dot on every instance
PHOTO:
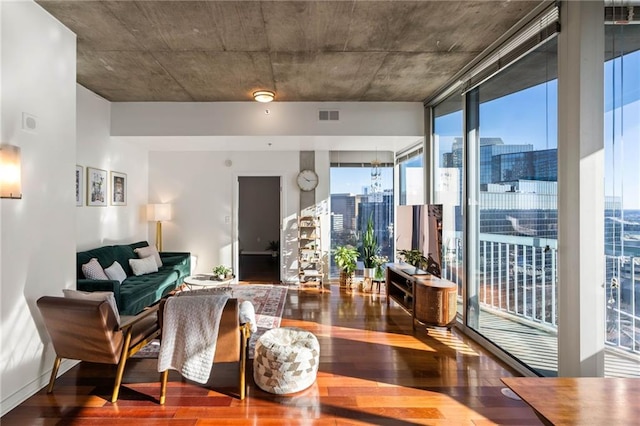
(427, 298)
(310, 265)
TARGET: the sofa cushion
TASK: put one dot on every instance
(138, 292)
(143, 266)
(105, 256)
(93, 270)
(180, 262)
(115, 272)
(122, 253)
(139, 244)
(143, 252)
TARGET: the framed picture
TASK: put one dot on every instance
(96, 187)
(118, 189)
(79, 186)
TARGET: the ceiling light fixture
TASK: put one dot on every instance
(263, 96)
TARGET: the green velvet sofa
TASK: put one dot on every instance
(136, 292)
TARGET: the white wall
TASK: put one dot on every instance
(97, 226)
(203, 192)
(38, 232)
(248, 118)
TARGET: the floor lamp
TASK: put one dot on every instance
(158, 213)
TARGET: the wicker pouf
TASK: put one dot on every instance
(286, 360)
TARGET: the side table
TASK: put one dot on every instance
(206, 280)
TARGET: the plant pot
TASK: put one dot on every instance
(369, 272)
(345, 279)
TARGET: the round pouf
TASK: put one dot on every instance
(286, 360)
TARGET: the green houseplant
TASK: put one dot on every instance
(274, 247)
(369, 247)
(346, 258)
(221, 271)
(413, 257)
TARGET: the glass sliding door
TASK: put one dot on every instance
(512, 288)
(448, 155)
(622, 199)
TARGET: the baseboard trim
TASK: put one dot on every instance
(31, 388)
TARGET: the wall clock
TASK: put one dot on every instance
(307, 180)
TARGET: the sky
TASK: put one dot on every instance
(530, 117)
(354, 179)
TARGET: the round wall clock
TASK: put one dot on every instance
(307, 180)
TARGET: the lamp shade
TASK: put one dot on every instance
(158, 212)
(10, 180)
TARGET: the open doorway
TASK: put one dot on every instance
(259, 228)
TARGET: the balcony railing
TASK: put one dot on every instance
(518, 276)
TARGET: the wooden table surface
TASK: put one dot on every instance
(580, 401)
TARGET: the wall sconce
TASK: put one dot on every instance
(158, 213)
(10, 174)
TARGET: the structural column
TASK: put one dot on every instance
(430, 164)
(581, 189)
(307, 162)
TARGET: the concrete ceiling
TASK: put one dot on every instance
(316, 51)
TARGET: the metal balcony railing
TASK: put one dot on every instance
(518, 276)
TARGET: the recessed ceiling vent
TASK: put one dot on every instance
(325, 115)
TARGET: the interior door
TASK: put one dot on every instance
(259, 219)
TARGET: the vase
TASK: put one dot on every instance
(369, 272)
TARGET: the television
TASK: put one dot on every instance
(419, 227)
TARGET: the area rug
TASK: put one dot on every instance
(268, 301)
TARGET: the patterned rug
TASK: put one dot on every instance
(268, 301)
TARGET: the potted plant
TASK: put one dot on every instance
(369, 249)
(274, 246)
(413, 257)
(221, 272)
(346, 258)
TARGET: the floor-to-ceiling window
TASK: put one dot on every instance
(514, 209)
(622, 192)
(411, 176)
(447, 183)
(360, 191)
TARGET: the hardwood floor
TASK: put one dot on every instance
(373, 370)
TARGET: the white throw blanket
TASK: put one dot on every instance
(189, 335)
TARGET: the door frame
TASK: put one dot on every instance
(235, 246)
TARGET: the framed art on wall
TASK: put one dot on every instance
(79, 188)
(118, 189)
(96, 187)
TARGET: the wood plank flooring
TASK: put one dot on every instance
(373, 370)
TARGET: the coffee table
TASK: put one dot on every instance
(206, 280)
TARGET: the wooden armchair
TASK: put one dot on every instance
(231, 345)
(87, 330)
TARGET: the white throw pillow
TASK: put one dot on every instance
(143, 252)
(143, 266)
(94, 295)
(93, 270)
(115, 272)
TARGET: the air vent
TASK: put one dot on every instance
(324, 115)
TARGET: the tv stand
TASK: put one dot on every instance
(429, 299)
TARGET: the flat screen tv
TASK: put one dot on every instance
(419, 227)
